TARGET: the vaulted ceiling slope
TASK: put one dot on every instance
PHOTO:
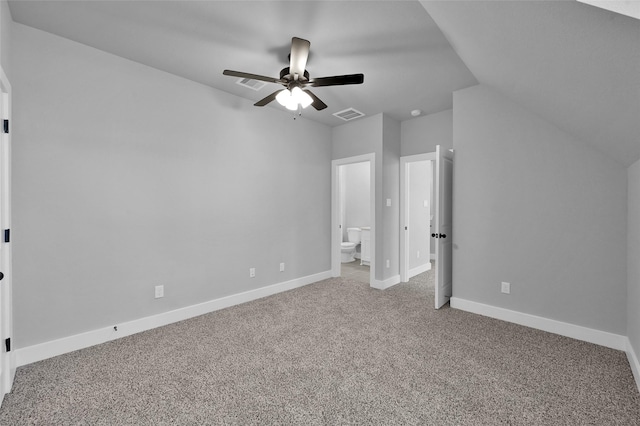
(406, 60)
(575, 65)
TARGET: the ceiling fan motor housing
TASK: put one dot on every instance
(286, 75)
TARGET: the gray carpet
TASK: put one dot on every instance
(335, 352)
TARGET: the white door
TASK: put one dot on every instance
(7, 368)
(442, 231)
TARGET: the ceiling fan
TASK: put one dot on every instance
(295, 78)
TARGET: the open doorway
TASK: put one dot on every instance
(353, 218)
(417, 249)
(440, 213)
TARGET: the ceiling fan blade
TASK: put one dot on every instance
(264, 101)
(338, 80)
(317, 103)
(299, 55)
(251, 76)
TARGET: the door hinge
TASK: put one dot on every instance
(7, 344)
(7, 235)
(6, 126)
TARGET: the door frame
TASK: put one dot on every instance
(404, 209)
(7, 359)
(336, 230)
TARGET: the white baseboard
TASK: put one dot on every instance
(634, 363)
(64, 345)
(385, 284)
(603, 338)
(420, 269)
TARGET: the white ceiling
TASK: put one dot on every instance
(406, 61)
(576, 65)
(573, 64)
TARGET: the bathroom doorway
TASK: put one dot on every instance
(353, 218)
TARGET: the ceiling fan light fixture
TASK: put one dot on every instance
(291, 98)
(301, 97)
(284, 97)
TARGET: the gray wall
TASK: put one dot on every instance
(421, 135)
(633, 256)
(391, 215)
(126, 177)
(5, 37)
(381, 135)
(536, 208)
(364, 136)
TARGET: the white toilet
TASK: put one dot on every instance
(348, 249)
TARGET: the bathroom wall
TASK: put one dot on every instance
(380, 135)
(391, 191)
(537, 208)
(357, 206)
(364, 136)
(126, 177)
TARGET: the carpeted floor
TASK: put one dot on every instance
(334, 352)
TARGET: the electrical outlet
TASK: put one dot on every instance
(388, 263)
(252, 272)
(506, 288)
(282, 267)
(388, 202)
(159, 291)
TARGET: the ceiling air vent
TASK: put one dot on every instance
(251, 84)
(348, 114)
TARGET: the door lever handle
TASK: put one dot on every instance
(439, 235)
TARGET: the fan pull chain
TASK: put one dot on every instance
(298, 113)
